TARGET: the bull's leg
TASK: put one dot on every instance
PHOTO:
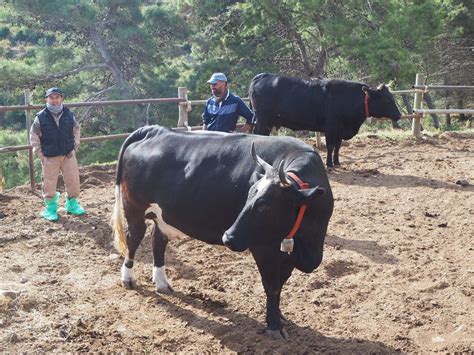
(330, 145)
(135, 234)
(265, 120)
(268, 263)
(336, 151)
(159, 241)
(285, 272)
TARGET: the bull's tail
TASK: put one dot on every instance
(117, 221)
(251, 88)
(120, 239)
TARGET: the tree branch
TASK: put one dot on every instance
(298, 39)
(56, 76)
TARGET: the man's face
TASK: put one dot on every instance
(54, 99)
(218, 88)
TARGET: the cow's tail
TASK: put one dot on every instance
(120, 239)
(118, 220)
(252, 83)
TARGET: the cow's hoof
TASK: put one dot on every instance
(330, 169)
(281, 334)
(164, 289)
(129, 284)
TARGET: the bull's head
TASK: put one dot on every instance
(270, 210)
(381, 103)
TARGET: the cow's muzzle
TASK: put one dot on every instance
(231, 243)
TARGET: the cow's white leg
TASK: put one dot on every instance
(160, 280)
(128, 276)
(159, 241)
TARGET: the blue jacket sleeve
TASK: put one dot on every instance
(206, 117)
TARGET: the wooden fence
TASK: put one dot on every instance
(185, 106)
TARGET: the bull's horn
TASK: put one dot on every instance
(262, 163)
(282, 175)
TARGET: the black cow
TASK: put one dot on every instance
(336, 107)
(231, 189)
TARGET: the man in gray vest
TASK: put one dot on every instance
(55, 136)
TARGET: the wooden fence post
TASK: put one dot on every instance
(416, 123)
(31, 165)
(183, 107)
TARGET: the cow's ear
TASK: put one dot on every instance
(382, 87)
(256, 176)
(260, 162)
(307, 195)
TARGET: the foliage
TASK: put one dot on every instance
(93, 50)
(99, 152)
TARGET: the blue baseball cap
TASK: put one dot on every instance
(54, 90)
(217, 77)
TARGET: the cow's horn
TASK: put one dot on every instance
(282, 175)
(263, 164)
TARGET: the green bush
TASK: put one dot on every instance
(14, 165)
(99, 152)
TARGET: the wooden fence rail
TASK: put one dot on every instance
(97, 103)
(444, 111)
(426, 88)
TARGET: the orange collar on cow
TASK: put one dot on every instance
(296, 226)
(366, 102)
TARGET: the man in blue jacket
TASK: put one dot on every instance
(55, 136)
(224, 108)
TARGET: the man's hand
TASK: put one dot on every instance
(247, 128)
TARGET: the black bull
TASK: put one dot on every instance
(336, 107)
(220, 188)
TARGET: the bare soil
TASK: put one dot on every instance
(397, 275)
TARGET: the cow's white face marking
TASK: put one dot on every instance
(264, 183)
(159, 278)
(127, 274)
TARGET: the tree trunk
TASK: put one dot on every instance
(430, 105)
(109, 62)
(321, 64)
(462, 116)
(121, 83)
(408, 105)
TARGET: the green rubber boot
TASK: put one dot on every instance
(73, 207)
(50, 211)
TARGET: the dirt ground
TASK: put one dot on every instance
(397, 274)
